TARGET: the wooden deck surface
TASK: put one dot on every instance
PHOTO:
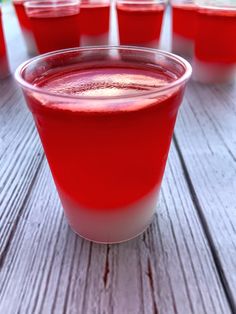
(184, 263)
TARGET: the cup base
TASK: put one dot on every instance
(112, 226)
(94, 40)
(114, 242)
(150, 44)
(30, 43)
(182, 46)
(210, 73)
(4, 68)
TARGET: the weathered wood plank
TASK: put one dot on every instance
(45, 268)
(20, 156)
(206, 136)
(169, 269)
(20, 150)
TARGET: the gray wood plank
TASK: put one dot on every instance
(20, 150)
(45, 268)
(169, 269)
(20, 156)
(206, 137)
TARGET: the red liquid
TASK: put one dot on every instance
(216, 44)
(4, 69)
(139, 24)
(183, 20)
(21, 15)
(94, 18)
(106, 156)
(55, 30)
(25, 25)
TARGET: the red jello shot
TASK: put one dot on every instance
(94, 22)
(183, 26)
(25, 26)
(105, 118)
(215, 44)
(55, 24)
(4, 68)
(140, 22)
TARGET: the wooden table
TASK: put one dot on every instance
(184, 263)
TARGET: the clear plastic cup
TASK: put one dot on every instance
(140, 22)
(55, 24)
(105, 117)
(94, 22)
(25, 26)
(183, 26)
(4, 67)
(215, 48)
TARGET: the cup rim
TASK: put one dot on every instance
(182, 79)
(141, 2)
(45, 4)
(183, 3)
(95, 3)
(215, 7)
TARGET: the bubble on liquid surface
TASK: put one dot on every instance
(106, 82)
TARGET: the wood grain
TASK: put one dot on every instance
(20, 150)
(183, 264)
(206, 137)
(169, 269)
(20, 155)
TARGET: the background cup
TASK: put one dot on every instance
(4, 67)
(25, 26)
(55, 24)
(215, 48)
(94, 22)
(183, 26)
(140, 22)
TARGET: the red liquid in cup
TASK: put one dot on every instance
(183, 20)
(215, 45)
(217, 42)
(94, 22)
(107, 158)
(25, 25)
(55, 30)
(183, 28)
(139, 24)
(4, 69)
(21, 15)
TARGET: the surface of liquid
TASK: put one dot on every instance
(106, 82)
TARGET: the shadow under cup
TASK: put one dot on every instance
(107, 133)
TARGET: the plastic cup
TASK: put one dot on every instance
(105, 117)
(140, 22)
(55, 24)
(183, 26)
(215, 48)
(94, 22)
(25, 26)
(4, 67)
